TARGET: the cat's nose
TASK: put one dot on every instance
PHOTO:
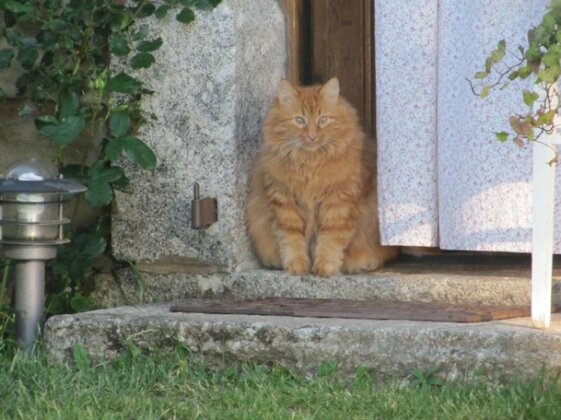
(312, 135)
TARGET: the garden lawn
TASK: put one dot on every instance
(138, 386)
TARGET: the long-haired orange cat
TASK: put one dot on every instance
(312, 204)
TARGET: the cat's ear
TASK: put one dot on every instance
(286, 93)
(330, 91)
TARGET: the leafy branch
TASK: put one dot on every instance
(541, 59)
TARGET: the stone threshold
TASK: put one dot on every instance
(492, 280)
(498, 350)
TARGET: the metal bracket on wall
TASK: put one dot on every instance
(204, 211)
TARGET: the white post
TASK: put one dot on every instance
(542, 223)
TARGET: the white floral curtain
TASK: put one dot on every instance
(443, 178)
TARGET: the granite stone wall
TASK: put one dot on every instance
(214, 81)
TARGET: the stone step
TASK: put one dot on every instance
(498, 350)
(478, 282)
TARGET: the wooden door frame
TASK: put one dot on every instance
(294, 12)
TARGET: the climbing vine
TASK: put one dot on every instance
(539, 59)
(70, 85)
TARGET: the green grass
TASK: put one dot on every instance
(136, 386)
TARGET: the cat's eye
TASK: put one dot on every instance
(322, 120)
(300, 120)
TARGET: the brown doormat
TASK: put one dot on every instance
(341, 308)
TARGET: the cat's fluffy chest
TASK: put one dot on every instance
(310, 179)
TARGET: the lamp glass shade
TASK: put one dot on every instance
(29, 215)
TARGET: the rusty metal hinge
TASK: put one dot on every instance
(204, 211)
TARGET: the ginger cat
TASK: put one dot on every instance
(312, 205)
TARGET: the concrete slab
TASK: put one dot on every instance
(497, 350)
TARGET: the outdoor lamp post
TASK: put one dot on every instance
(31, 227)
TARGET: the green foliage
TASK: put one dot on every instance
(66, 49)
(540, 58)
(71, 268)
(186, 15)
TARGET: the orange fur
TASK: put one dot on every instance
(312, 205)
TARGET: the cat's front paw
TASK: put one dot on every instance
(325, 268)
(298, 266)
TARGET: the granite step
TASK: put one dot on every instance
(496, 351)
(491, 281)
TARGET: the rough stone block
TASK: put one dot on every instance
(214, 81)
(501, 350)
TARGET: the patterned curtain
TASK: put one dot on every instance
(443, 179)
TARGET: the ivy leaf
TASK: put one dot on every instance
(61, 133)
(485, 91)
(529, 97)
(44, 121)
(147, 10)
(524, 72)
(119, 45)
(17, 7)
(161, 11)
(68, 104)
(12, 37)
(204, 5)
(502, 136)
(6, 57)
(501, 45)
(134, 148)
(137, 151)
(546, 118)
(520, 126)
(76, 260)
(123, 83)
(149, 46)
(533, 54)
(113, 149)
(551, 59)
(481, 75)
(100, 192)
(550, 74)
(90, 245)
(122, 20)
(142, 61)
(518, 141)
(99, 173)
(497, 55)
(119, 123)
(548, 22)
(27, 57)
(141, 33)
(488, 64)
(186, 15)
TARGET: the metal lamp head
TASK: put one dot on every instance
(31, 227)
(31, 200)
